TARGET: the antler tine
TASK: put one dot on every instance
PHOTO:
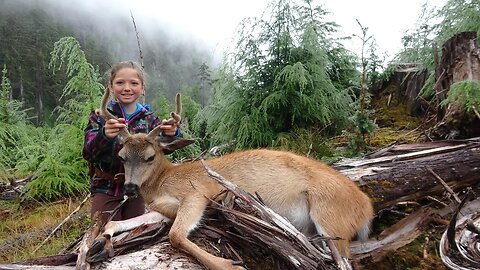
(103, 108)
(178, 108)
(107, 115)
(175, 117)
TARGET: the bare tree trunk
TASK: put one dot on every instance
(22, 89)
(39, 97)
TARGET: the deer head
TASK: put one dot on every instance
(140, 150)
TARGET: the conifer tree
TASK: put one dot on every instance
(279, 78)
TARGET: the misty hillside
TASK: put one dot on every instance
(29, 29)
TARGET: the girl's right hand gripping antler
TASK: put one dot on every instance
(107, 115)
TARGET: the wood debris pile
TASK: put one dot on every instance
(242, 229)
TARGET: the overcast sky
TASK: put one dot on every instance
(215, 20)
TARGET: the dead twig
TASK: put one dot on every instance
(61, 223)
(449, 189)
(140, 54)
(475, 111)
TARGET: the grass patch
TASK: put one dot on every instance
(24, 228)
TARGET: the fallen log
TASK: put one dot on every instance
(160, 256)
(394, 237)
(404, 172)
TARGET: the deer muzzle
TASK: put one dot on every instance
(132, 190)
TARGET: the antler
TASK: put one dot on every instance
(107, 115)
(175, 117)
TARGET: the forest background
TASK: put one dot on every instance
(287, 83)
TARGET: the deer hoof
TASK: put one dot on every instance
(238, 265)
(98, 257)
(96, 246)
(100, 250)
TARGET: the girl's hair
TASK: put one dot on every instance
(127, 64)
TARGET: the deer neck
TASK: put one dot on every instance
(151, 187)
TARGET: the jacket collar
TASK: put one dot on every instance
(117, 109)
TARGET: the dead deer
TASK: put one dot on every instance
(314, 197)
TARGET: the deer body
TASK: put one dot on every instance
(289, 184)
(315, 198)
(311, 195)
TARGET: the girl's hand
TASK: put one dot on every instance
(168, 129)
(113, 127)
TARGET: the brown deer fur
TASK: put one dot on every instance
(312, 196)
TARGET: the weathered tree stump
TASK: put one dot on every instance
(460, 62)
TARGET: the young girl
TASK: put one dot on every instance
(127, 84)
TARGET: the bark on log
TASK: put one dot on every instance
(402, 173)
(161, 256)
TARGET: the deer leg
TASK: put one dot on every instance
(188, 216)
(102, 247)
(113, 227)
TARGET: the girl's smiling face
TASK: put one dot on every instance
(127, 87)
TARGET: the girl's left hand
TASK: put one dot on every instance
(168, 129)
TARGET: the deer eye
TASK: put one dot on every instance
(150, 159)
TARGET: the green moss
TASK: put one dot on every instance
(412, 256)
(418, 255)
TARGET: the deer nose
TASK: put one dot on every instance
(131, 190)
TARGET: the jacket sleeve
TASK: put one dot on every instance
(97, 146)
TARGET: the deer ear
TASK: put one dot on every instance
(173, 143)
